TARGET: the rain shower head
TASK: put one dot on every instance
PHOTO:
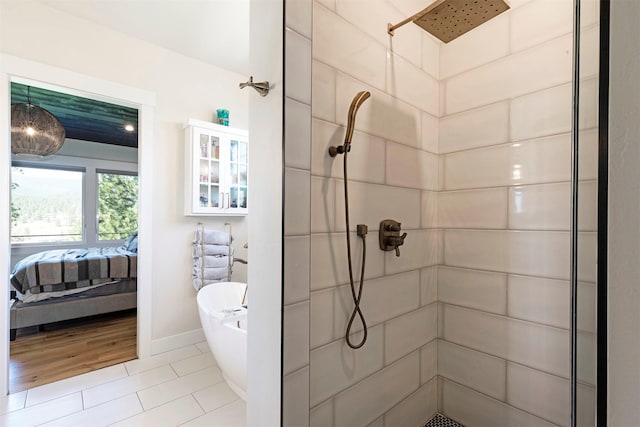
(449, 19)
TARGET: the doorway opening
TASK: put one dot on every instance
(74, 217)
(97, 311)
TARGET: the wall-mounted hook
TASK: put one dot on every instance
(389, 236)
(261, 87)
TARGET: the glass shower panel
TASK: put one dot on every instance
(587, 219)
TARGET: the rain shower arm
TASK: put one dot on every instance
(392, 28)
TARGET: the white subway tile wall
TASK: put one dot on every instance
(296, 388)
(430, 132)
(480, 127)
(335, 367)
(520, 73)
(322, 415)
(472, 408)
(394, 172)
(378, 393)
(416, 409)
(295, 335)
(297, 130)
(296, 273)
(299, 72)
(411, 84)
(387, 298)
(409, 332)
(472, 49)
(468, 146)
(428, 285)
(429, 362)
(484, 208)
(383, 115)
(547, 395)
(297, 202)
(482, 290)
(298, 67)
(475, 369)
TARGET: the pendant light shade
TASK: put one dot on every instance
(35, 132)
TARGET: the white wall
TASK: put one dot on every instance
(624, 212)
(184, 88)
(264, 361)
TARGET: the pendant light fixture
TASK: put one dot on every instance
(35, 132)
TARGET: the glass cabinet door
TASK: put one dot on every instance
(209, 171)
(238, 173)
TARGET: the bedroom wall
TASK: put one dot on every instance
(184, 88)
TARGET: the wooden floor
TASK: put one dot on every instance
(67, 349)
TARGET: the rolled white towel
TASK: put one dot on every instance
(219, 273)
(197, 283)
(203, 250)
(213, 237)
(212, 261)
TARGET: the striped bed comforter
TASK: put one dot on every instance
(63, 269)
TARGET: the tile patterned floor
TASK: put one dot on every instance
(183, 387)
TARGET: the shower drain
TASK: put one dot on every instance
(439, 420)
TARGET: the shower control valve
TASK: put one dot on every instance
(389, 236)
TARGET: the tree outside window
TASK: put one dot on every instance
(117, 205)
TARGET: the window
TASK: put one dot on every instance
(46, 204)
(69, 201)
(117, 205)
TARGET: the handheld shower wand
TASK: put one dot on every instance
(361, 228)
(351, 120)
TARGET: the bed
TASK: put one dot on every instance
(66, 284)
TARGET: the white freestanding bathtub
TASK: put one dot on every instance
(224, 321)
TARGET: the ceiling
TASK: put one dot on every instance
(83, 118)
(213, 31)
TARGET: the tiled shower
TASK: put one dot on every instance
(468, 145)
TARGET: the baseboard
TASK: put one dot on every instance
(173, 342)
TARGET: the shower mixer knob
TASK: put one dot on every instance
(396, 240)
(395, 226)
(389, 236)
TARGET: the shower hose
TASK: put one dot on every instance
(362, 232)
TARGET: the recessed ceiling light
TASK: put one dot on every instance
(129, 128)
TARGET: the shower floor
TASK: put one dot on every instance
(439, 420)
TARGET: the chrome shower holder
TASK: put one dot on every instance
(261, 87)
